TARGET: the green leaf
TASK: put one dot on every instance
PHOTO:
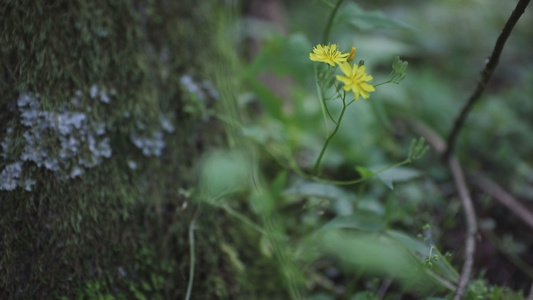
(375, 253)
(224, 171)
(284, 55)
(341, 199)
(398, 174)
(361, 220)
(262, 203)
(421, 250)
(271, 102)
(364, 172)
(278, 184)
(368, 20)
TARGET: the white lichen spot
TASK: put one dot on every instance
(192, 87)
(204, 90)
(150, 145)
(100, 128)
(140, 125)
(74, 140)
(51, 163)
(104, 97)
(121, 271)
(211, 90)
(76, 172)
(10, 175)
(100, 92)
(94, 91)
(132, 165)
(6, 143)
(102, 32)
(166, 124)
(28, 184)
(104, 149)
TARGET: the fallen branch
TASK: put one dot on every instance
(486, 74)
(506, 199)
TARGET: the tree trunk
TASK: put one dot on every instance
(104, 114)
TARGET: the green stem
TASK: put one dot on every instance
(325, 105)
(325, 38)
(327, 111)
(350, 102)
(382, 83)
(243, 218)
(337, 125)
(321, 96)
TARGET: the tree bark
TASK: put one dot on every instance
(104, 112)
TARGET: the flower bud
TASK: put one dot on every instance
(352, 55)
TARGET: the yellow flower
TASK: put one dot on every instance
(355, 80)
(328, 54)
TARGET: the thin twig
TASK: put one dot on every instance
(470, 216)
(486, 74)
(502, 196)
(193, 258)
(458, 177)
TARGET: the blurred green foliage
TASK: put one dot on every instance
(358, 242)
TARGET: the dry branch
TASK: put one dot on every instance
(486, 74)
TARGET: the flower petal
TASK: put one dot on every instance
(346, 69)
(367, 87)
(344, 79)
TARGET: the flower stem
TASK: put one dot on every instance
(337, 125)
(321, 97)
(327, 111)
(388, 81)
(325, 37)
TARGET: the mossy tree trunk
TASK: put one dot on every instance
(104, 114)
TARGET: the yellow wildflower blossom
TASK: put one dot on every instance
(355, 80)
(328, 54)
